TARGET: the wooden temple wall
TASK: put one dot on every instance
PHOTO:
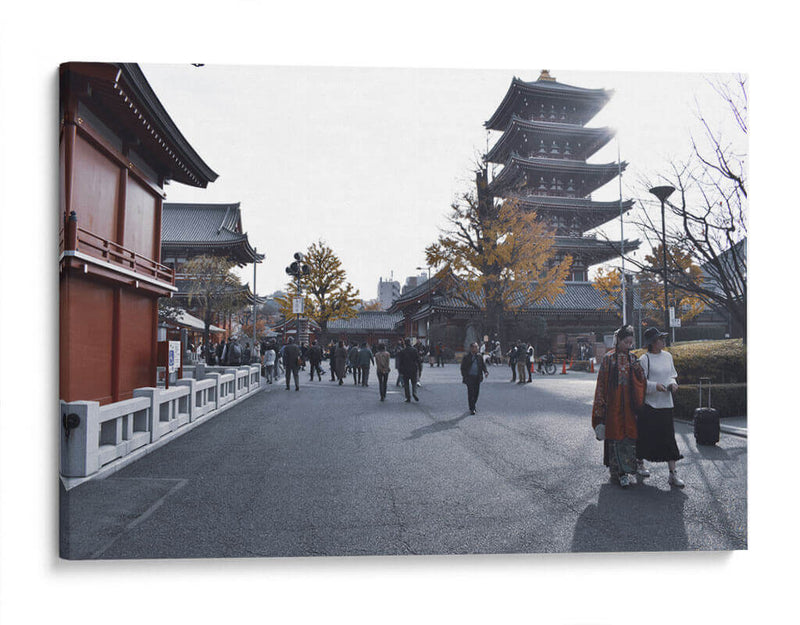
(108, 325)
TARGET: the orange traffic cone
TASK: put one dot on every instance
(564, 368)
(570, 362)
(591, 366)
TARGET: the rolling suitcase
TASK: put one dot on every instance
(706, 419)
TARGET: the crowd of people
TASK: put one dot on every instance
(631, 412)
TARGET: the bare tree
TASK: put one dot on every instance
(707, 215)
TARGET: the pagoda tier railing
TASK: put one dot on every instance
(74, 238)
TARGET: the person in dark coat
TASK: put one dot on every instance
(332, 359)
(365, 357)
(314, 358)
(291, 363)
(473, 372)
(340, 362)
(513, 354)
(352, 362)
(408, 363)
(382, 369)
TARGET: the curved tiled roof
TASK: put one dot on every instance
(597, 173)
(593, 138)
(590, 100)
(206, 226)
(120, 93)
(576, 296)
(373, 320)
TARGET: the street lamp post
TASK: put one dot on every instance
(430, 307)
(662, 193)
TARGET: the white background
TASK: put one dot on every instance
(741, 587)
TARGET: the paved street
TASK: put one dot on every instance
(332, 471)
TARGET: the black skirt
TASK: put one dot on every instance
(656, 441)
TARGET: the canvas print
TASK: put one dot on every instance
(312, 311)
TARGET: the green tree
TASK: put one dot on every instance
(504, 258)
(327, 293)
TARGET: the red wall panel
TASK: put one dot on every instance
(86, 317)
(140, 219)
(137, 346)
(96, 188)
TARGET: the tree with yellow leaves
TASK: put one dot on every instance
(503, 258)
(327, 293)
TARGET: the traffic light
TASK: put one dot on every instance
(298, 267)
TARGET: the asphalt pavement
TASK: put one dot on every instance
(331, 470)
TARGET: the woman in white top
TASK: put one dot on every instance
(656, 441)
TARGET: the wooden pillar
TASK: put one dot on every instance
(116, 344)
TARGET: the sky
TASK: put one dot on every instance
(683, 37)
(370, 159)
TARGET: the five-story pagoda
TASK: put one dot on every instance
(544, 150)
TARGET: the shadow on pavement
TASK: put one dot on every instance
(438, 426)
(640, 518)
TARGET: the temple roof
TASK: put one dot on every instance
(594, 250)
(368, 321)
(520, 130)
(586, 176)
(120, 96)
(587, 101)
(206, 229)
(575, 296)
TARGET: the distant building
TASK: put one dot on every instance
(388, 291)
(412, 282)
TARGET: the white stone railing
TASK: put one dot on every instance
(94, 437)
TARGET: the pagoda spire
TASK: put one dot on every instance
(545, 75)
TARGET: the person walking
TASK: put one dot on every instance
(421, 351)
(340, 362)
(522, 348)
(620, 390)
(314, 358)
(400, 347)
(382, 360)
(408, 364)
(269, 363)
(352, 363)
(529, 360)
(291, 363)
(365, 357)
(439, 354)
(473, 372)
(332, 360)
(513, 354)
(656, 440)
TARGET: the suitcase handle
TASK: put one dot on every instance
(700, 391)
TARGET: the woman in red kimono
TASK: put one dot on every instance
(620, 389)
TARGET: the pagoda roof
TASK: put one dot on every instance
(592, 249)
(592, 175)
(206, 229)
(591, 212)
(182, 283)
(519, 129)
(590, 101)
(120, 96)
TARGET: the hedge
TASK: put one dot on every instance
(729, 399)
(725, 362)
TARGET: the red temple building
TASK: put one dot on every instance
(189, 230)
(118, 150)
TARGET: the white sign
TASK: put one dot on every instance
(671, 314)
(675, 323)
(174, 358)
(298, 305)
